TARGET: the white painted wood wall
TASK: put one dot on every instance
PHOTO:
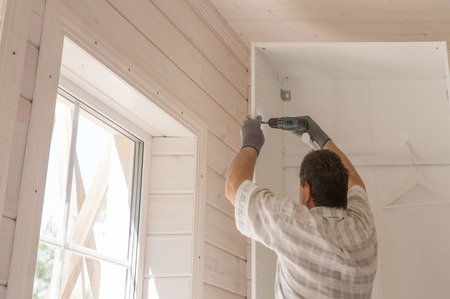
(9, 214)
(169, 240)
(186, 50)
(2, 10)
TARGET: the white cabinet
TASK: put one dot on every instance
(386, 105)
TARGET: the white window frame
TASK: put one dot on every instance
(59, 22)
(71, 90)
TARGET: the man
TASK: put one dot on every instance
(326, 245)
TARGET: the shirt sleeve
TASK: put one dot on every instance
(259, 213)
(358, 208)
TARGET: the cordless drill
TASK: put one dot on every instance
(288, 123)
(293, 124)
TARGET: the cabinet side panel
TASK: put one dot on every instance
(269, 171)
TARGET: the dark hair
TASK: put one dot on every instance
(327, 177)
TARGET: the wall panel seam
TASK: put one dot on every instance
(214, 206)
(170, 234)
(206, 58)
(220, 210)
(226, 144)
(9, 217)
(181, 69)
(162, 276)
(211, 168)
(170, 192)
(242, 258)
(225, 289)
(176, 154)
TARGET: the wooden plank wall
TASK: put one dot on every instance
(2, 10)
(172, 44)
(18, 147)
(169, 239)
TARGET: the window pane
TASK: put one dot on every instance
(100, 199)
(55, 189)
(91, 191)
(93, 141)
(89, 278)
(44, 270)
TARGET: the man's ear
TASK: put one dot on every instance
(308, 198)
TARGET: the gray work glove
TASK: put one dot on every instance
(251, 133)
(315, 132)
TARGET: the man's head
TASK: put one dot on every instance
(323, 180)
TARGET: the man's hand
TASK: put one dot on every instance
(243, 165)
(314, 131)
(252, 135)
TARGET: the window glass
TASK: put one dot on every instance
(56, 183)
(90, 207)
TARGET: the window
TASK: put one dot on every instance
(89, 227)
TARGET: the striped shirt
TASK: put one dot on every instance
(322, 252)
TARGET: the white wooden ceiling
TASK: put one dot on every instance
(337, 20)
